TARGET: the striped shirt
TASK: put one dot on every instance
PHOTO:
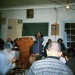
(49, 66)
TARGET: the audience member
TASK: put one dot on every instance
(70, 58)
(4, 67)
(15, 43)
(60, 41)
(46, 46)
(51, 65)
(6, 51)
(9, 40)
(37, 46)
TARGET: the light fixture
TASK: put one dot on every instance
(67, 5)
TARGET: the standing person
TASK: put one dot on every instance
(37, 46)
(46, 46)
(60, 41)
(51, 65)
(4, 68)
(70, 59)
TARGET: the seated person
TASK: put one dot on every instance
(70, 59)
(4, 67)
(9, 40)
(6, 51)
(46, 46)
(60, 41)
(50, 65)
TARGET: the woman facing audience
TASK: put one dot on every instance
(37, 46)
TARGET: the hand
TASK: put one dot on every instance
(13, 60)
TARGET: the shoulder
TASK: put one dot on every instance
(2, 56)
(62, 43)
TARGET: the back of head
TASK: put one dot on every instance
(8, 46)
(54, 46)
(54, 49)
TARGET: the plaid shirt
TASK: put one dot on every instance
(49, 66)
(4, 68)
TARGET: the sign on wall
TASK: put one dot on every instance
(55, 29)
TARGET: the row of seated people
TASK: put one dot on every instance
(37, 46)
(36, 43)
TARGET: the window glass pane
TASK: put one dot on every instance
(67, 25)
(73, 44)
(72, 38)
(72, 25)
(68, 44)
(72, 32)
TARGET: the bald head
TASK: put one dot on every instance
(54, 46)
(54, 49)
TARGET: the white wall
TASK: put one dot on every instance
(41, 15)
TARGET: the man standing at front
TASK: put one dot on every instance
(51, 65)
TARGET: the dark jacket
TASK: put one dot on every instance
(71, 64)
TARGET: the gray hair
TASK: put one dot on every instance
(54, 46)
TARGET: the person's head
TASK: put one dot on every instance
(8, 39)
(39, 34)
(8, 46)
(54, 49)
(70, 53)
(60, 40)
(49, 41)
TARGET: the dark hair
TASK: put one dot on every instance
(59, 39)
(40, 33)
(49, 39)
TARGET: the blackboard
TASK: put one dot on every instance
(30, 29)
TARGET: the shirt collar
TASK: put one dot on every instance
(54, 57)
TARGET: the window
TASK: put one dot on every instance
(70, 29)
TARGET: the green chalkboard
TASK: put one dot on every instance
(30, 29)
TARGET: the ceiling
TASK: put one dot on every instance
(15, 3)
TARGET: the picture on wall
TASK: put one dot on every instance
(30, 13)
(55, 29)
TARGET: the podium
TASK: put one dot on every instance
(24, 50)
